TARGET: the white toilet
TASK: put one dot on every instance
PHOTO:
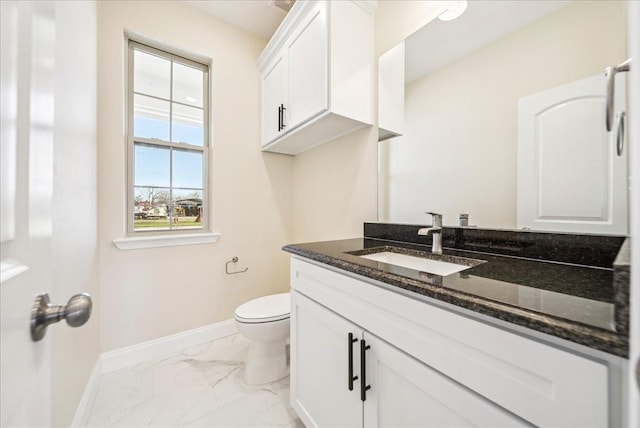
(265, 322)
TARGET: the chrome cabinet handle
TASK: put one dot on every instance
(610, 74)
(638, 374)
(77, 312)
(620, 134)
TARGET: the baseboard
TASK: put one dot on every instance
(81, 418)
(165, 346)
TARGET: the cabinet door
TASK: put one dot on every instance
(407, 393)
(274, 94)
(307, 74)
(320, 366)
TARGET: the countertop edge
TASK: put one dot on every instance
(593, 337)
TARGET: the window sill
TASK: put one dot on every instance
(157, 241)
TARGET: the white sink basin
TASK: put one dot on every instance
(435, 267)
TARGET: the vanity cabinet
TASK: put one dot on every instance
(407, 393)
(320, 360)
(426, 365)
(317, 75)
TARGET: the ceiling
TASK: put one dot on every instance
(485, 21)
(429, 48)
(259, 17)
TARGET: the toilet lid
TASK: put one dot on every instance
(265, 309)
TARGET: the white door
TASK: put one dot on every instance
(407, 393)
(308, 69)
(274, 97)
(569, 176)
(320, 345)
(28, 34)
(48, 207)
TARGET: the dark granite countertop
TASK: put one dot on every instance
(573, 302)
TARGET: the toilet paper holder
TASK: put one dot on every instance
(233, 260)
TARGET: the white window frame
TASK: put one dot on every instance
(131, 141)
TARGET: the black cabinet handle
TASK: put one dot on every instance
(279, 118)
(363, 371)
(283, 109)
(352, 340)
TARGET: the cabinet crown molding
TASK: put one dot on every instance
(288, 26)
(291, 21)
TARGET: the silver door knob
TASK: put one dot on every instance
(77, 312)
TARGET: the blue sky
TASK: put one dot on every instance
(152, 167)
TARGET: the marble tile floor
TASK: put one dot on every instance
(201, 387)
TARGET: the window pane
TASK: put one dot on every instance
(187, 208)
(150, 118)
(187, 125)
(187, 85)
(151, 208)
(151, 75)
(152, 166)
(187, 169)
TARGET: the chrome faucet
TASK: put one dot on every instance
(436, 230)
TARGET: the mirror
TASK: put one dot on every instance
(468, 83)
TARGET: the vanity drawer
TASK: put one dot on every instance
(542, 384)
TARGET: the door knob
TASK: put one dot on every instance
(77, 312)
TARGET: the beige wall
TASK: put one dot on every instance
(75, 232)
(335, 187)
(398, 19)
(336, 184)
(458, 153)
(261, 201)
(150, 293)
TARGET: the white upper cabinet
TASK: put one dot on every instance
(307, 77)
(317, 75)
(274, 90)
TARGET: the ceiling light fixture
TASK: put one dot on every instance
(454, 11)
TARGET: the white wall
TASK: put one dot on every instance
(151, 293)
(458, 153)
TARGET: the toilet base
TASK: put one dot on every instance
(266, 362)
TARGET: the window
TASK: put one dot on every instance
(168, 141)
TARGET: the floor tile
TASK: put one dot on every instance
(202, 386)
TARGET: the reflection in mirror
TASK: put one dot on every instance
(504, 120)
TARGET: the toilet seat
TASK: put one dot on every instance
(265, 309)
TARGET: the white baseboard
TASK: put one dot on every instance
(165, 346)
(81, 418)
(145, 351)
